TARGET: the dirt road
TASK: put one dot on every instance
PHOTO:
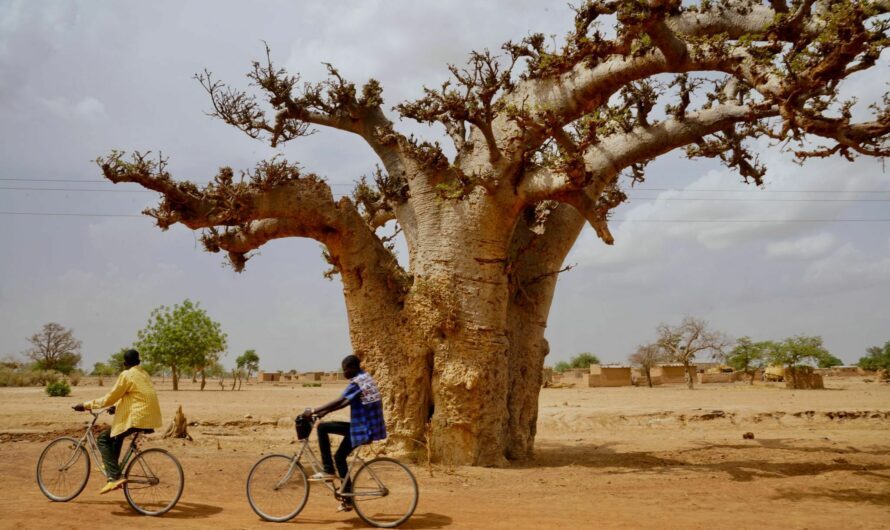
(606, 458)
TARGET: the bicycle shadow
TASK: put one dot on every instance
(418, 521)
(182, 510)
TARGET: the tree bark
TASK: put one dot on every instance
(646, 370)
(175, 377)
(690, 375)
(536, 260)
(203, 379)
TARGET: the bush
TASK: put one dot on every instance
(16, 377)
(878, 358)
(58, 389)
(74, 378)
(44, 377)
(311, 385)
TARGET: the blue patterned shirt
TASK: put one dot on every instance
(365, 410)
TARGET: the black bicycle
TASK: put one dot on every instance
(154, 476)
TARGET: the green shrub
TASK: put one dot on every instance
(311, 385)
(58, 389)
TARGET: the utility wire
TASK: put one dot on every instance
(682, 199)
(340, 184)
(62, 214)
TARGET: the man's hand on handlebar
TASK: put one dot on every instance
(79, 407)
(309, 413)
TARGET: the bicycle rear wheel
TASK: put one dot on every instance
(384, 493)
(277, 488)
(63, 469)
(154, 482)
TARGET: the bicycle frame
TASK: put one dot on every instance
(89, 439)
(353, 466)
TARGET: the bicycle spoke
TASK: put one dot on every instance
(154, 482)
(384, 492)
(62, 471)
(277, 488)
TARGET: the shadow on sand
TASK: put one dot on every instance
(182, 510)
(708, 458)
(417, 521)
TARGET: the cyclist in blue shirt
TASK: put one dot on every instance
(365, 426)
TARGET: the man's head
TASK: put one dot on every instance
(351, 366)
(131, 358)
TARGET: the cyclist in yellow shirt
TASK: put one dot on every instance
(137, 408)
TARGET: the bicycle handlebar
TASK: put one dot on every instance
(98, 412)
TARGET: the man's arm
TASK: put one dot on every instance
(121, 386)
(324, 410)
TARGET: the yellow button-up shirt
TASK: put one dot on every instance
(137, 402)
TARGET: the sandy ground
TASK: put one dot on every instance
(606, 458)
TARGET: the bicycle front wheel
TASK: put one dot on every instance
(384, 493)
(63, 469)
(277, 488)
(154, 482)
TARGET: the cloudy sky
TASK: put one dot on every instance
(79, 78)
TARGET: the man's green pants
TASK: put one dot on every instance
(110, 447)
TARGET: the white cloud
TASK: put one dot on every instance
(807, 247)
(849, 267)
(88, 108)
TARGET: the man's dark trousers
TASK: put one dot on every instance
(325, 429)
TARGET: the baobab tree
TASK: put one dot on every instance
(55, 348)
(547, 137)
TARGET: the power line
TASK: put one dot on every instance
(62, 214)
(632, 189)
(76, 189)
(631, 198)
(685, 190)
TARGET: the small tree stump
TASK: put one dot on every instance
(178, 427)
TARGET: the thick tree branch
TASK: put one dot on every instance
(609, 157)
(742, 39)
(271, 202)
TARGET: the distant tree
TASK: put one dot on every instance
(249, 362)
(116, 361)
(55, 348)
(799, 350)
(237, 376)
(181, 337)
(828, 361)
(584, 360)
(103, 370)
(878, 358)
(748, 356)
(646, 357)
(692, 337)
